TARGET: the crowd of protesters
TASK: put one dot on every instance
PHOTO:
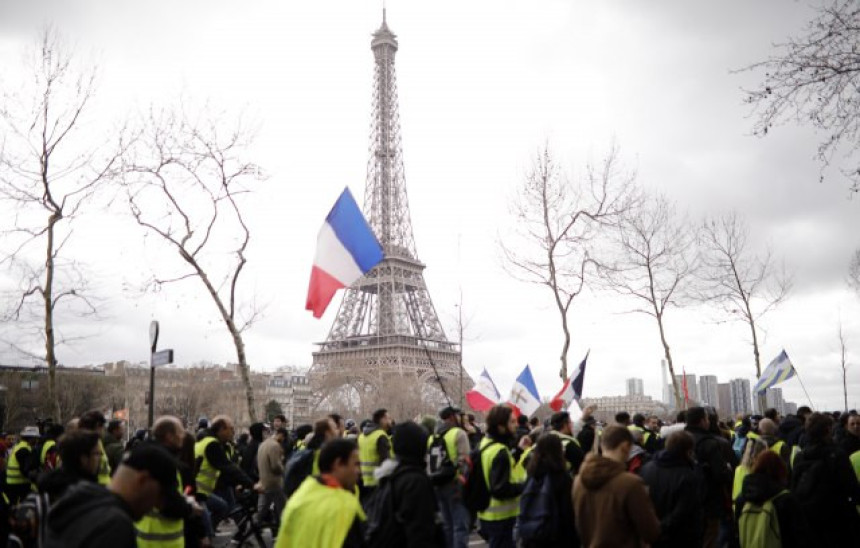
(433, 482)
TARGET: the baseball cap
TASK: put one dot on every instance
(30, 432)
(448, 411)
(152, 458)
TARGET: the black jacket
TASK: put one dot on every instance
(586, 438)
(718, 474)
(793, 528)
(677, 489)
(831, 509)
(413, 502)
(90, 516)
(56, 482)
(562, 489)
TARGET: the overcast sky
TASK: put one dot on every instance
(482, 84)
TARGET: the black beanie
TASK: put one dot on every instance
(409, 442)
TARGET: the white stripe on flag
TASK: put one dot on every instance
(334, 258)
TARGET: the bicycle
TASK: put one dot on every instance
(248, 531)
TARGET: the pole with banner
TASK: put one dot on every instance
(162, 357)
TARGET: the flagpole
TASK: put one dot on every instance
(797, 374)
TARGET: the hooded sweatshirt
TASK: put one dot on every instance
(90, 516)
(793, 527)
(612, 506)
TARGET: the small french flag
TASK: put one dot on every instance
(346, 249)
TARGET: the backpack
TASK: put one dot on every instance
(738, 446)
(538, 519)
(29, 522)
(476, 494)
(382, 527)
(759, 526)
(813, 483)
(299, 467)
(442, 468)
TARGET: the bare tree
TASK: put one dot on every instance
(854, 272)
(559, 222)
(656, 265)
(813, 78)
(49, 175)
(746, 283)
(843, 364)
(185, 179)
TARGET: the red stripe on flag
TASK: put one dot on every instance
(478, 401)
(321, 290)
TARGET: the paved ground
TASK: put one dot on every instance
(225, 532)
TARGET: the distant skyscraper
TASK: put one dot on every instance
(741, 396)
(635, 387)
(724, 401)
(692, 387)
(790, 408)
(773, 398)
(708, 394)
(668, 398)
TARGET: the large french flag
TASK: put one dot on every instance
(572, 389)
(524, 399)
(485, 394)
(346, 249)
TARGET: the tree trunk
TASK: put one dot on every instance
(234, 332)
(565, 347)
(48, 297)
(668, 355)
(762, 398)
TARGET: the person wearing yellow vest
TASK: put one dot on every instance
(217, 476)
(48, 452)
(851, 439)
(95, 421)
(79, 457)
(324, 511)
(164, 527)
(449, 490)
(374, 446)
(92, 516)
(562, 427)
(113, 443)
(503, 482)
(20, 466)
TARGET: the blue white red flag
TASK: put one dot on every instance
(524, 399)
(485, 394)
(346, 249)
(572, 389)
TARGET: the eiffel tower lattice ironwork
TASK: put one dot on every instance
(387, 324)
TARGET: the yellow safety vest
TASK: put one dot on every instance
(521, 464)
(565, 441)
(369, 456)
(45, 448)
(740, 473)
(855, 462)
(13, 468)
(318, 516)
(450, 439)
(208, 475)
(104, 467)
(315, 468)
(156, 531)
(499, 509)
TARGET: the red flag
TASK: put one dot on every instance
(684, 384)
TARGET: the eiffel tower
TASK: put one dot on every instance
(387, 330)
